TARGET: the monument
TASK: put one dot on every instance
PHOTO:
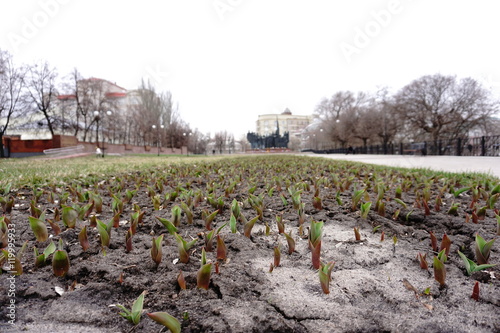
(274, 140)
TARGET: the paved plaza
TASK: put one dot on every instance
(483, 164)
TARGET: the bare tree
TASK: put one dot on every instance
(220, 140)
(11, 87)
(76, 90)
(153, 108)
(245, 145)
(92, 97)
(41, 83)
(338, 115)
(442, 107)
(365, 124)
(198, 142)
(388, 121)
(231, 143)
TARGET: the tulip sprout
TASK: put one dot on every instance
(471, 266)
(166, 320)
(41, 259)
(315, 242)
(184, 247)
(60, 261)
(133, 315)
(156, 250)
(439, 268)
(482, 249)
(325, 273)
(39, 228)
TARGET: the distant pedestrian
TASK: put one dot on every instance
(350, 150)
(98, 152)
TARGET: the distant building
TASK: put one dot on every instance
(94, 95)
(293, 124)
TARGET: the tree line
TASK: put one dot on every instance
(35, 98)
(430, 108)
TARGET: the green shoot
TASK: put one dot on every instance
(283, 200)
(41, 259)
(176, 216)
(280, 224)
(156, 250)
(470, 266)
(356, 198)
(460, 191)
(235, 208)
(338, 199)
(188, 212)
(290, 241)
(39, 228)
(317, 203)
(315, 234)
(439, 270)
(69, 216)
(128, 240)
(169, 225)
(453, 209)
(60, 261)
(209, 240)
(249, 226)
(203, 276)
(209, 219)
(83, 239)
(277, 256)
(221, 248)
(104, 233)
(232, 224)
(133, 315)
(325, 276)
(365, 209)
(498, 224)
(482, 249)
(184, 247)
(166, 320)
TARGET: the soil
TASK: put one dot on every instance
(376, 286)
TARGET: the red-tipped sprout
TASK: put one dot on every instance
(315, 242)
(166, 320)
(325, 273)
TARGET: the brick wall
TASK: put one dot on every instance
(24, 148)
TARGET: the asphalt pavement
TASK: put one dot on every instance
(482, 164)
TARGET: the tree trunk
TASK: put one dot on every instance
(2, 155)
(49, 123)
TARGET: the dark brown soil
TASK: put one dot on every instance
(370, 288)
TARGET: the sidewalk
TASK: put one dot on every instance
(483, 164)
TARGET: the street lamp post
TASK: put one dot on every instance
(321, 138)
(97, 115)
(187, 135)
(158, 142)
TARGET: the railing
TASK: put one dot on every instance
(477, 146)
(64, 151)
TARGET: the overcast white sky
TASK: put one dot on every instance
(227, 61)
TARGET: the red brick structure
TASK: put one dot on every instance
(15, 147)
